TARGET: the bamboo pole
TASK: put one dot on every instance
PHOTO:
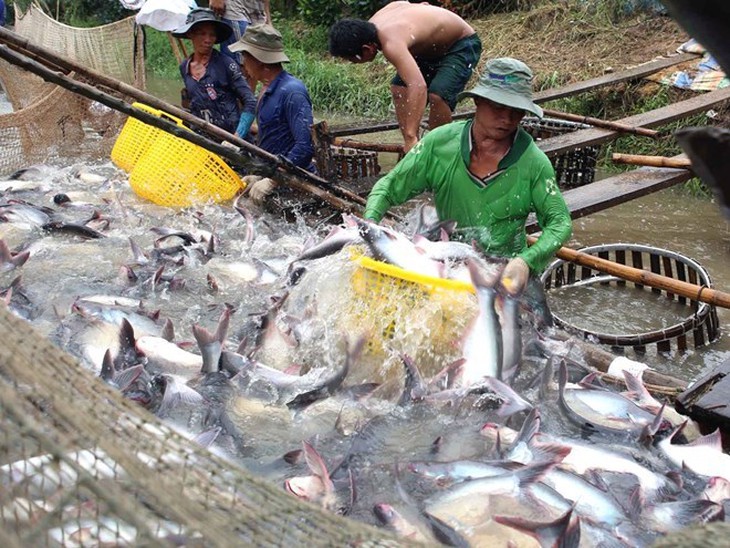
(643, 277)
(175, 46)
(362, 145)
(651, 161)
(238, 157)
(598, 122)
(283, 172)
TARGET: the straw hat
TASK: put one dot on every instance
(204, 15)
(508, 82)
(264, 42)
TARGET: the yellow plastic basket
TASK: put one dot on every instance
(136, 138)
(177, 173)
(388, 298)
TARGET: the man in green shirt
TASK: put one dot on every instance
(488, 175)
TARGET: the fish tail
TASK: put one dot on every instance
(563, 532)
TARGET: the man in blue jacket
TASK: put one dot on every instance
(2, 13)
(284, 110)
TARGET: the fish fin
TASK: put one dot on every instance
(498, 450)
(140, 257)
(436, 445)
(595, 479)
(108, 372)
(712, 440)
(447, 374)
(549, 452)
(511, 401)
(636, 502)
(315, 462)
(206, 438)
(676, 479)
(5, 255)
(124, 379)
(187, 394)
(414, 387)
(688, 512)
(479, 277)
(533, 473)
(592, 382)
(168, 331)
(170, 396)
(443, 532)
(127, 352)
(563, 532)
(648, 433)
(530, 427)
(221, 331)
(634, 384)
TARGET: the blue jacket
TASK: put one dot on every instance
(2, 13)
(215, 96)
(284, 118)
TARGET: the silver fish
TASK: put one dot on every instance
(704, 456)
(529, 445)
(482, 343)
(394, 248)
(598, 408)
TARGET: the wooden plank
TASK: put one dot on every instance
(618, 189)
(545, 95)
(560, 144)
(613, 78)
(707, 400)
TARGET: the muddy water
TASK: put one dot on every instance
(671, 220)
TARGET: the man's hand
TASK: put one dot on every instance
(218, 7)
(514, 276)
(259, 190)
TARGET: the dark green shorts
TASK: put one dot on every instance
(448, 75)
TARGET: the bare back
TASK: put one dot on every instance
(425, 31)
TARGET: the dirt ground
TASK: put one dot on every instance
(565, 43)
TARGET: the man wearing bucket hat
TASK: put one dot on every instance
(488, 175)
(213, 81)
(284, 111)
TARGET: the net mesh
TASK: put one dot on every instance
(49, 121)
(82, 466)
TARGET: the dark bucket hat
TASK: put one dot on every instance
(204, 15)
(508, 82)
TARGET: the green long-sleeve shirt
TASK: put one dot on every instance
(491, 212)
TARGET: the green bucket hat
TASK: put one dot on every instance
(262, 41)
(508, 82)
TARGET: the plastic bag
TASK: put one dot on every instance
(165, 15)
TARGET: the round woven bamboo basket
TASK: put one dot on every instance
(698, 328)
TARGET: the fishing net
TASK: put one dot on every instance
(49, 121)
(82, 466)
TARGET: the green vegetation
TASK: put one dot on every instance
(335, 86)
(159, 58)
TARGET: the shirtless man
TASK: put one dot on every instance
(433, 50)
